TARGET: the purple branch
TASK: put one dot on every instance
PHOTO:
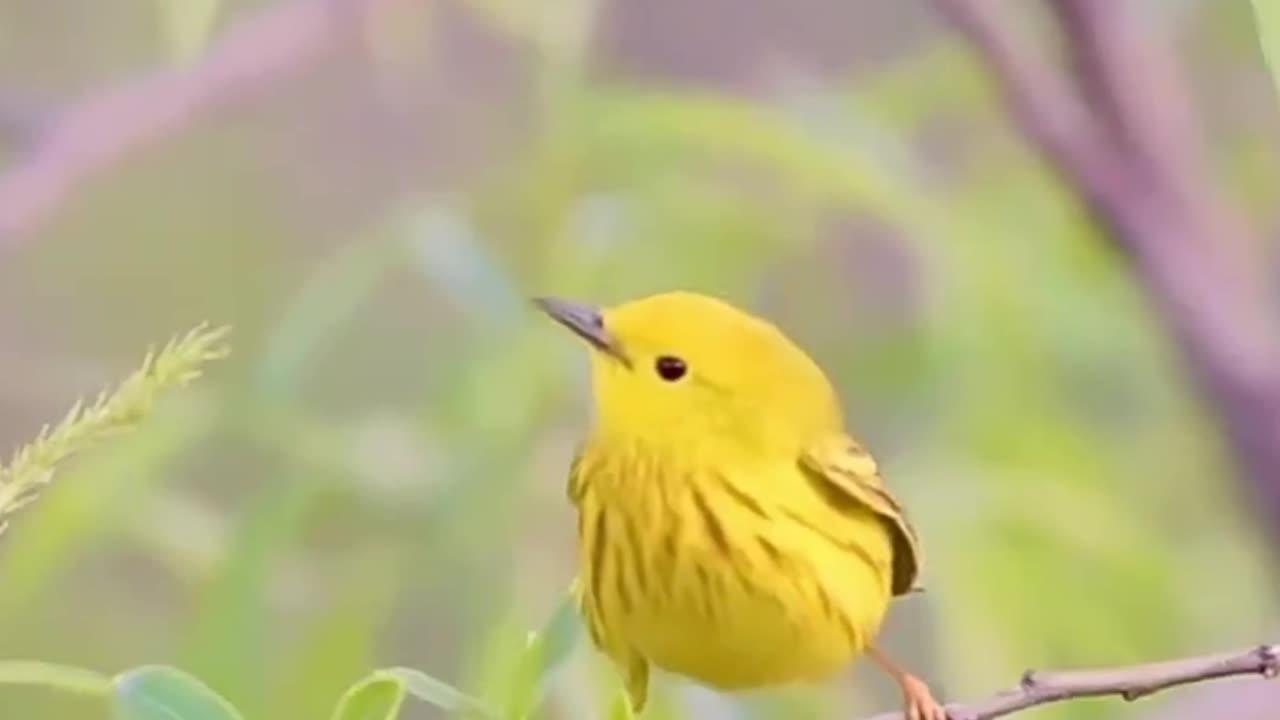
(1130, 683)
(1040, 100)
(90, 136)
(1130, 148)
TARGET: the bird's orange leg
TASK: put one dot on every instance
(916, 697)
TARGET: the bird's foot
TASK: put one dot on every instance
(917, 699)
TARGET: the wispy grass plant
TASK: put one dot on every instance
(33, 465)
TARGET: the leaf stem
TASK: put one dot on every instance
(58, 677)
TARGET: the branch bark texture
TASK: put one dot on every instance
(1131, 683)
(1123, 136)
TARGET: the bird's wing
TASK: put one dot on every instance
(846, 475)
(574, 487)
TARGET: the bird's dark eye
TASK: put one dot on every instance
(671, 368)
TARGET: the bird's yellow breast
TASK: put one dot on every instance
(734, 573)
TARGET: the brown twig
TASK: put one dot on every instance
(1129, 146)
(97, 131)
(1130, 683)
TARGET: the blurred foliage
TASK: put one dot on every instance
(1268, 19)
(375, 480)
(187, 24)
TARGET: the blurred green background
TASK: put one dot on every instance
(376, 477)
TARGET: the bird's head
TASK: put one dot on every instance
(679, 364)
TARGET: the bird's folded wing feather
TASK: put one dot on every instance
(575, 489)
(847, 474)
(576, 482)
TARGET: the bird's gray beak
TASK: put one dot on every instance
(586, 322)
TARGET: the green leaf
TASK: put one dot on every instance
(439, 693)
(225, 645)
(450, 253)
(377, 697)
(58, 677)
(547, 650)
(338, 643)
(1266, 14)
(557, 640)
(327, 303)
(164, 693)
(620, 707)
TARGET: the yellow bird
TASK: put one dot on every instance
(730, 530)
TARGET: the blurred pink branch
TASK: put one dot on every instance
(87, 137)
(1131, 683)
(22, 119)
(1125, 138)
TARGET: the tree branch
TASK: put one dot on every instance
(1146, 112)
(1130, 148)
(1130, 683)
(91, 135)
(22, 119)
(1037, 97)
